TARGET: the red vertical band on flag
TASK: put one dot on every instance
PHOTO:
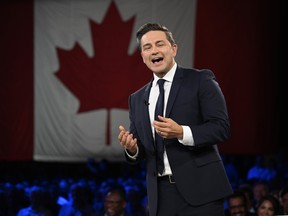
(16, 78)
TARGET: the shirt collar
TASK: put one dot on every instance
(168, 76)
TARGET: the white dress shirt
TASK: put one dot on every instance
(154, 92)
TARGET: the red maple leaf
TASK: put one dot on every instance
(106, 79)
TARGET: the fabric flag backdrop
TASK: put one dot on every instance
(68, 67)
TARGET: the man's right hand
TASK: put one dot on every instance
(127, 141)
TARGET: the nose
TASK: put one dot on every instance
(154, 50)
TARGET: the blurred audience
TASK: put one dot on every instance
(38, 203)
(260, 189)
(264, 169)
(283, 197)
(91, 190)
(80, 202)
(135, 200)
(248, 192)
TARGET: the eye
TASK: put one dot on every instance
(147, 47)
(160, 44)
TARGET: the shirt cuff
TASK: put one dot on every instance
(187, 136)
(133, 157)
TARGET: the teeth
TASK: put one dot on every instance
(157, 59)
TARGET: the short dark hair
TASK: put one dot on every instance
(274, 201)
(238, 194)
(118, 189)
(153, 27)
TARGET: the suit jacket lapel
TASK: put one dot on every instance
(176, 84)
(146, 116)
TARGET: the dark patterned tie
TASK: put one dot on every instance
(158, 139)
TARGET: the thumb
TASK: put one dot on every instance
(121, 128)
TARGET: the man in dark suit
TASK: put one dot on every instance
(195, 120)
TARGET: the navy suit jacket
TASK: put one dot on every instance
(195, 100)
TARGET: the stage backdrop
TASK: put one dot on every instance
(68, 67)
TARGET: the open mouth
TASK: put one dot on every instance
(156, 60)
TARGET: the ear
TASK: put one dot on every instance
(175, 48)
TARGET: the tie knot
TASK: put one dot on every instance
(161, 82)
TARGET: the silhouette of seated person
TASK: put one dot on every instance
(134, 200)
(260, 189)
(248, 191)
(80, 203)
(38, 205)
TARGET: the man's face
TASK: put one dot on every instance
(114, 205)
(237, 207)
(259, 191)
(157, 52)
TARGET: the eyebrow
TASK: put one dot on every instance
(158, 41)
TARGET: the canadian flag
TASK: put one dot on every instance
(68, 67)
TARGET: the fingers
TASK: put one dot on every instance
(126, 139)
(166, 127)
(122, 132)
(121, 128)
(162, 121)
(161, 118)
(161, 133)
(129, 143)
(160, 126)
